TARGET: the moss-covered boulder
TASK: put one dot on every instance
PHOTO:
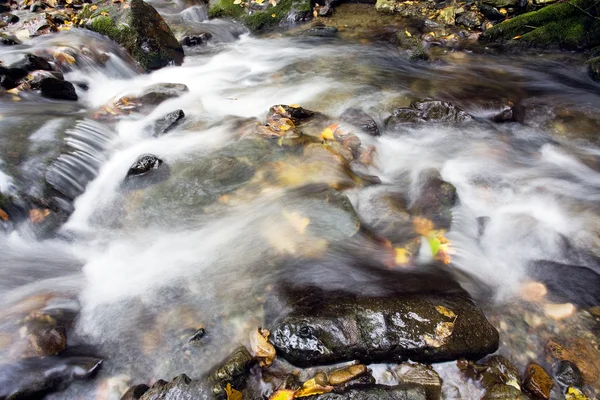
(262, 15)
(139, 28)
(573, 25)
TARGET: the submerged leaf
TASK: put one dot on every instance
(311, 387)
(402, 256)
(328, 133)
(445, 311)
(37, 216)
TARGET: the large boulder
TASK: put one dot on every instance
(139, 28)
(324, 327)
(573, 24)
(265, 15)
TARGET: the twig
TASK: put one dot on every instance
(583, 11)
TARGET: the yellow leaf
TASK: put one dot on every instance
(259, 1)
(233, 394)
(517, 37)
(298, 222)
(63, 57)
(295, 106)
(402, 256)
(328, 133)
(575, 394)
(237, 1)
(443, 331)
(310, 388)
(273, 15)
(94, 7)
(3, 215)
(37, 216)
(422, 226)
(445, 311)
(283, 394)
(407, 33)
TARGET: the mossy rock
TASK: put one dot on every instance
(571, 25)
(139, 28)
(261, 17)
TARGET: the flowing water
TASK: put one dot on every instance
(144, 267)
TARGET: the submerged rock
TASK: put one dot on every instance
(233, 371)
(135, 392)
(180, 388)
(336, 327)
(421, 375)
(35, 377)
(427, 111)
(567, 374)
(504, 392)
(435, 199)
(139, 28)
(362, 120)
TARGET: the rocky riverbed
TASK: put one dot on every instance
(283, 199)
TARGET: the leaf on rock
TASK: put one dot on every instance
(283, 394)
(311, 388)
(62, 57)
(434, 243)
(261, 348)
(259, 1)
(443, 331)
(293, 105)
(422, 226)
(445, 311)
(575, 394)
(3, 215)
(402, 256)
(233, 394)
(328, 133)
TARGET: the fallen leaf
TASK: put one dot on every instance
(37, 216)
(422, 226)
(517, 37)
(407, 33)
(273, 15)
(298, 222)
(62, 57)
(311, 387)
(261, 348)
(575, 394)
(3, 215)
(443, 331)
(233, 394)
(237, 1)
(328, 133)
(445, 311)
(259, 1)
(402, 256)
(94, 7)
(295, 106)
(283, 394)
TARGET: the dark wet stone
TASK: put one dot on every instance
(135, 392)
(362, 120)
(427, 111)
(593, 68)
(196, 40)
(470, 19)
(498, 370)
(501, 3)
(296, 114)
(567, 374)
(140, 29)
(491, 13)
(197, 335)
(46, 340)
(34, 377)
(510, 113)
(379, 392)
(31, 62)
(9, 18)
(577, 284)
(504, 392)
(537, 382)
(233, 371)
(156, 94)
(8, 40)
(326, 328)
(35, 78)
(320, 31)
(420, 375)
(53, 88)
(180, 388)
(168, 122)
(144, 165)
(435, 199)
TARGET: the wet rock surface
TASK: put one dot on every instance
(362, 120)
(537, 381)
(144, 164)
(167, 123)
(428, 111)
(35, 377)
(329, 328)
(567, 374)
(377, 392)
(140, 29)
(58, 89)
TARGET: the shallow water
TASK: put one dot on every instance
(201, 249)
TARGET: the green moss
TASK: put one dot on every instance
(258, 20)
(558, 25)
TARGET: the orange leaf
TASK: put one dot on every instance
(37, 216)
(3, 215)
(328, 133)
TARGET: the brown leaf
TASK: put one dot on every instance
(261, 348)
(37, 215)
(3, 215)
(445, 311)
(311, 387)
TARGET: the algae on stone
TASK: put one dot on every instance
(256, 17)
(573, 25)
(139, 28)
